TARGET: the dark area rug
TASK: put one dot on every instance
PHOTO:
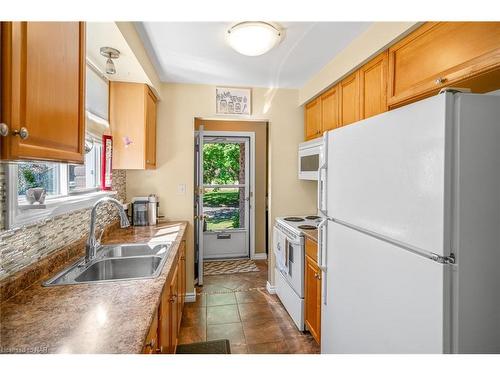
(205, 347)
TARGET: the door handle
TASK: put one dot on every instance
(322, 254)
(321, 180)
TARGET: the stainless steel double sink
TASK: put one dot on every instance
(116, 263)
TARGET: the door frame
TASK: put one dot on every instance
(251, 136)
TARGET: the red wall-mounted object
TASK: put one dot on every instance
(107, 162)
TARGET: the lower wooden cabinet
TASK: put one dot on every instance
(163, 334)
(312, 297)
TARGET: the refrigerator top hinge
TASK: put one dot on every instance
(444, 260)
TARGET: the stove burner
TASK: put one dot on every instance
(293, 218)
(308, 227)
(312, 217)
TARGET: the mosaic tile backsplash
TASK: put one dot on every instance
(21, 247)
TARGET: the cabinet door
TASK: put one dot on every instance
(164, 322)
(173, 312)
(349, 99)
(43, 84)
(330, 109)
(313, 119)
(441, 54)
(151, 343)
(373, 86)
(313, 298)
(150, 130)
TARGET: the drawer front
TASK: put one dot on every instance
(312, 249)
(439, 54)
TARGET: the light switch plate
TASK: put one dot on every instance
(181, 189)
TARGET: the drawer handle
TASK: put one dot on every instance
(23, 133)
(440, 80)
(151, 344)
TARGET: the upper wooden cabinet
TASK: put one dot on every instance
(132, 117)
(349, 99)
(440, 54)
(330, 109)
(373, 87)
(312, 117)
(43, 91)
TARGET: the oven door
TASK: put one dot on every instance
(295, 265)
(310, 159)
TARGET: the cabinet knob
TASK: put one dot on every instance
(151, 344)
(23, 133)
(4, 129)
(440, 80)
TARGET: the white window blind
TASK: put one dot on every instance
(96, 97)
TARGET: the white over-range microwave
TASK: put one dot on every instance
(311, 154)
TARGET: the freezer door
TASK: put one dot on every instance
(386, 174)
(382, 299)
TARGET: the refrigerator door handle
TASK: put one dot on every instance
(322, 254)
(322, 177)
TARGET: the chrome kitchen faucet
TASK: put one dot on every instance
(92, 242)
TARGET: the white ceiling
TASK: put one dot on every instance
(196, 52)
(107, 34)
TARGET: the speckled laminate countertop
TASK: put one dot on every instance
(111, 317)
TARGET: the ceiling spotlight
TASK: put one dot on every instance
(110, 53)
(253, 38)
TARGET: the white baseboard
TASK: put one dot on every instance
(260, 256)
(190, 297)
(270, 288)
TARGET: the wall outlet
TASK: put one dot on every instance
(181, 189)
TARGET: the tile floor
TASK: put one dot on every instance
(238, 307)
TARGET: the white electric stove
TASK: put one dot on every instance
(288, 246)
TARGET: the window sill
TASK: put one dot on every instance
(29, 214)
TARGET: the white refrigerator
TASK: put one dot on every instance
(410, 244)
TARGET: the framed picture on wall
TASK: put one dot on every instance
(233, 101)
(107, 162)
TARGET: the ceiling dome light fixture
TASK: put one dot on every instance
(110, 53)
(253, 38)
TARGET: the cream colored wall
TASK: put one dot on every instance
(176, 112)
(374, 40)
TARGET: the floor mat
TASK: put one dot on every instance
(224, 267)
(205, 347)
